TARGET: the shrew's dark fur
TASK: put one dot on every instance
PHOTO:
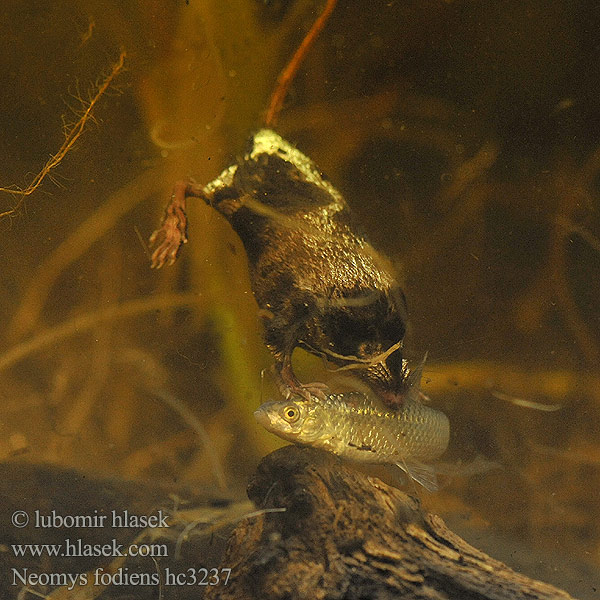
(318, 281)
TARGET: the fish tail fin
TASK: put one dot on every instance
(421, 473)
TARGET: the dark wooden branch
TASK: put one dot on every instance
(345, 535)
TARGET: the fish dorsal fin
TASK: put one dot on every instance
(421, 473)
(414, 380)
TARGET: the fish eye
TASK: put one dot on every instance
(291, 413)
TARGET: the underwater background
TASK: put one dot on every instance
(465, 136)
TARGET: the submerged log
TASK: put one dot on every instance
(329, 531)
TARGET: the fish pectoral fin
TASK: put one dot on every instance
(421, 473)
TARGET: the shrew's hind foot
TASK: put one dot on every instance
(307, 391)
(289, 385)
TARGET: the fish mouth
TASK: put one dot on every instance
(266, 415)
(262, 417)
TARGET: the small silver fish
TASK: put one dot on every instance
(354, 426)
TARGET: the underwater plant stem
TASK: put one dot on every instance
(554, 386)
(289, 72)
(184, 412)
(75, 245)
(246, 378)
(88, 321)
(569, 196)
(85, 400)
(71, 137)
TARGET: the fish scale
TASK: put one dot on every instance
(415, 430)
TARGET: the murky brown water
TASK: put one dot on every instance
(464, 136)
